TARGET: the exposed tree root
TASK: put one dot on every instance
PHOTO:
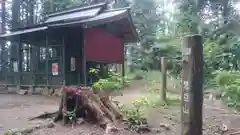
(28, 131)
(235, 133)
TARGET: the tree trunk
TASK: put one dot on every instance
(3, 30)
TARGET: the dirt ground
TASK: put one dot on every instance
(16, 109)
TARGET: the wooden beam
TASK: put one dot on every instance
(192, 85)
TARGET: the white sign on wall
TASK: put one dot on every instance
(73, 64)
(55, 68)
(15, 66)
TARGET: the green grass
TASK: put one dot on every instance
(154, 99)
(152, 84)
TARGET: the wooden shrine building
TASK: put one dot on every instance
(71, 39)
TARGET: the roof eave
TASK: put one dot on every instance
(133, 28)
(20, 32)
(104, 5)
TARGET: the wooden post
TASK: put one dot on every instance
(123, 65)
(164, 78)
(123, 72)
(19, 54)
(63, 61)
(47, 63)
(34, 66)
(192, 85)
(84, 64)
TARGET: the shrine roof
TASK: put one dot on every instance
(118, 21)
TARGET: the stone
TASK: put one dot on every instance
(165, 126)
(143, 129)
(23, 92)
(27, 131)
(38, 90)
(110, 129)
(12, 89)
(80, 121)
(50, 125)
(156, 130)
(57, 93)
(31, 90)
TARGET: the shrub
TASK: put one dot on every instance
(134, 114)
(229, 83)
(225, 78)
(113, 82)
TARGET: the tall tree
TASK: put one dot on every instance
(3, 30)
(146, 19)
(16, 14)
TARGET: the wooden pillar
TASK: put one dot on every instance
(164, 78)
(123, 64)
(47, 63)
(84, 64)
(34, 65)
(192, 85)
(63, 61)
(19, 54)
(123, 71)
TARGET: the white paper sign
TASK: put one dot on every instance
(73, 64)
(186, 51)
(55, 68)
(15, 66)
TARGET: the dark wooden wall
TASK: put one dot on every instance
(73, 48)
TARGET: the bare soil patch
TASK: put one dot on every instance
(16, 109)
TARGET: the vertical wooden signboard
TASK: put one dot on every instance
(192, 85)
(186, 51)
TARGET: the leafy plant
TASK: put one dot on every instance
(93, 70)
(225, 78)
(114, 82)
(134, 115)
(229, 83)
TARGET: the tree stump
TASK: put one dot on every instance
(83, 102)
